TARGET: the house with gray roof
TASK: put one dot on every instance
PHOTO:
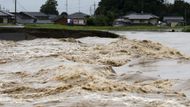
(32, 17)
(142, 18)
(174, 20)
(6, 17)
(78, 18)
(137, 19)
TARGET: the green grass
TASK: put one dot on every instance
(123, 28)
(186, 29)
(6, 24)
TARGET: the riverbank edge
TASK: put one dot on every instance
(58, 33)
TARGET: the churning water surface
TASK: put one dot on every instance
(167, 69)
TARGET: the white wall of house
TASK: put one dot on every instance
(79, 22)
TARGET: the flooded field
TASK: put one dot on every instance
(95, 72)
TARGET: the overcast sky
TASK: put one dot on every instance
(34, 5)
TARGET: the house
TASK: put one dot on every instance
(120, 22)
(32, 17)
(61, 19)
(78, 18)
(174, 20)
(141, 18)
(6, 17)
(24, 19)
(138, 19)
(52, 17)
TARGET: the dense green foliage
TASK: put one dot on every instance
(112, 9)
(50, 7)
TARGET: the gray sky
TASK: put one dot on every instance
(34, 5)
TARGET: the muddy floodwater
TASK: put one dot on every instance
(171, 69)
(139, 69)
(178, 40)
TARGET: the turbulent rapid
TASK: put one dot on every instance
(73, 73)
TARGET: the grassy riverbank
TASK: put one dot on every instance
(186, 29)
(123, 28)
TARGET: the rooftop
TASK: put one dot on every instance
(173, 18)
(5, 13)
(140, 16)
(78, 15)
(35, 14)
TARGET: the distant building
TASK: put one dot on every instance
(61, 19)
(141, 18)
(137, 19)
(120, 22)
(52, 17)
(32, 17)
(78, 18)
(6, 17)
(174, 20)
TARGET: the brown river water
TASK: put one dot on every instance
(97, 72)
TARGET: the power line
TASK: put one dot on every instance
(20, 5)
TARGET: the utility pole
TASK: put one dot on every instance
(79, 5)
(94, 7)
(15, 11)
(90, 11)
(67, 6)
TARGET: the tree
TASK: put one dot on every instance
(112, 9)
(122, 7)
(115, 8)
(50, 7)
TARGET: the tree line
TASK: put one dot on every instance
(108, 10)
